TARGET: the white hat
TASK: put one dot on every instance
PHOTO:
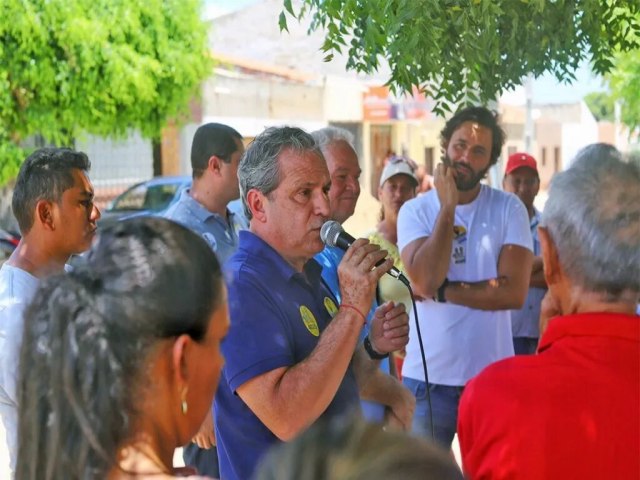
(397, 166)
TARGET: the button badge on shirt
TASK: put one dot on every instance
(309, 321)
(330, 306)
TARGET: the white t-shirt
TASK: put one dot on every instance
(16, 290)
(460, 341)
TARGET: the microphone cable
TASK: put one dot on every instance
(424, 359)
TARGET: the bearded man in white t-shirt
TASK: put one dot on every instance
(53, 203)
(468, 251)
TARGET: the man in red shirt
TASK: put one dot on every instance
(572, 410)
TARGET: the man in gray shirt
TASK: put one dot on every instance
(53, 203)
(215, 154)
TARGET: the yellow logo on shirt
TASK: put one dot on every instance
(309, 321)
(330, 306)
(459, 231)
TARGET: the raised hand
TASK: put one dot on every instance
(357, 275)
(445, 183)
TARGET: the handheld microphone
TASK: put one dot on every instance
(333, 235)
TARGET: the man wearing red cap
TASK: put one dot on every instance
(521, 178)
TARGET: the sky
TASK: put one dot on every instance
(214, 8)
(546, 89)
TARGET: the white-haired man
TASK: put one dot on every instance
(572, 410)
(387, 396)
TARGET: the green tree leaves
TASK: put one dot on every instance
(624, 81)
(472, 50)
(601, 105)
(97, 66)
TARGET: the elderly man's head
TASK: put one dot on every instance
(342, 161)
(591, 234)
(284, 183)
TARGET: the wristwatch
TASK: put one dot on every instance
(372, 353)
(440, 298)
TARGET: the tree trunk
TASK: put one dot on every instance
(156, 145)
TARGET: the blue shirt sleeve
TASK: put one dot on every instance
(258, 340)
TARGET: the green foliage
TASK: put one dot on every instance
(96, 66)
(472, 50)
(624, 81)
(601, 105)
(11, 157)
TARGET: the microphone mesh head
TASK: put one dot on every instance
(329, 232)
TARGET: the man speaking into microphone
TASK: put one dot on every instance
(292, 353)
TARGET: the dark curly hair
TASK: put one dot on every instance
(483, 116)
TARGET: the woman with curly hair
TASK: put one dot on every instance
(121, 357)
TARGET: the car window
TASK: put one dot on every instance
(144, 197)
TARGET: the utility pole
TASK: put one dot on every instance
(528, 123)
(617, 125)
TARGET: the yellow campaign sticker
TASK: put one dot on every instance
(330, 306)
(309, 321)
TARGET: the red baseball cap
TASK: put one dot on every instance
(519, 160)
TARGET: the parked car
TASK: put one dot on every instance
(152, 197)
(8, 243)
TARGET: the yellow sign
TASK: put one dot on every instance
(330, 306)
(309, 321)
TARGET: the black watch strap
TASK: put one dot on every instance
(440, 298)
(372, 353)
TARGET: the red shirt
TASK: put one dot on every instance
(571, 411)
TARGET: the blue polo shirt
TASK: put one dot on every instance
(277, 316)
(329, 259)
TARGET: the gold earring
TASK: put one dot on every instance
(184, 407)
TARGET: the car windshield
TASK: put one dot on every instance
(147, 197)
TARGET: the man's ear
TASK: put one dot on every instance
(550, 260)
(44, 214)
(214, 164)
(256, 201)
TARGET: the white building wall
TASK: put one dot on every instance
(343, 99)
(574, 137)
(130, 159)
(578, 135)
(249, 104)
